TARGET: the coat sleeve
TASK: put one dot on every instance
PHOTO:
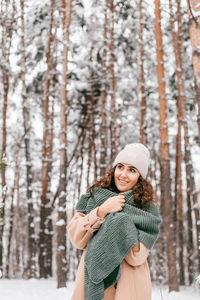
(82, 226)
(137, 255)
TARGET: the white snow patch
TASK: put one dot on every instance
(61, 247)
(185, 293)
(198, 279)
(46, 289)
(61, 222)
(34, 289)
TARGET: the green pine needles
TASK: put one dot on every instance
(3, 163)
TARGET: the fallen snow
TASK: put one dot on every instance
(46, 290)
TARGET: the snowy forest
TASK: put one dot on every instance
(78, 81)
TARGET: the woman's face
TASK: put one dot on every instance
(125, 176)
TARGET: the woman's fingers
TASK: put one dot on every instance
(113, 204)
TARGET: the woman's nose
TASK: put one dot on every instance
(124, 172)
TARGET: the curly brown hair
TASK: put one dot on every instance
(142, 191)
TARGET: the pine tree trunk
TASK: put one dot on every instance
(177, 51)
(164, 150)
(192, 203)
(90, 141)
(26, 118)
(179, 200)
(142, 81)
(93, 125)
(3, 171)
(190, 188)
(15, 230)
(45, 210)
(89, 125)
(7, 32)
(103, 142)
(194, 28)
(178, 195)
(49, 225)
(114, 135)
(61, 222)
(11, 222)
(81, 166)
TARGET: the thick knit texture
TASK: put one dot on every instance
(112, 242)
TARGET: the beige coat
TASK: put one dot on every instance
(134, 283)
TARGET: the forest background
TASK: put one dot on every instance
(78, 81)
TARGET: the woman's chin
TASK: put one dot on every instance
(123, 188)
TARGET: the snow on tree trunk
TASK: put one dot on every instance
(114, 134)
(93, 125)
(178, 185)
(45, 260)
(7, 11)
(142, 80)
(103, 142)
(31, 268)
(61, 223)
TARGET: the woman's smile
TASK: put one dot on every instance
(123, 181)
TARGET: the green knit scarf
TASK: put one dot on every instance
(112, 242)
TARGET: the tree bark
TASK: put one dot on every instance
(114, 135)
(142, 80)
(16, 178)
(7, 32)
(45, 260)
(61, 222)
(103, 142)
(89, 134)
(180, 91)
(164, 151)
(26, 118)
(93, 125)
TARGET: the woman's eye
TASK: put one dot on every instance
(133, 170)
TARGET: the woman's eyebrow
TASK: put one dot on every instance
(130, 167)
(133, 168)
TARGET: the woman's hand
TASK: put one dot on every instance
(112, 204)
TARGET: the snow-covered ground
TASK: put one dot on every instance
(46, 290)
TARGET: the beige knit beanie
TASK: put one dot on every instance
(136, 155)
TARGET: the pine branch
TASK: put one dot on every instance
(3, 163)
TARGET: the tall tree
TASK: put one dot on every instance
(114, 134)
(61, 222)
(142, 80)
(27, 126)
(93, 124)
(7, 30)
(13, 211)
(89, 133)
(166, 197)
(45, 260)
(103, 142)
(180, 93)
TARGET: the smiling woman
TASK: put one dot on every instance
(119, 209)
